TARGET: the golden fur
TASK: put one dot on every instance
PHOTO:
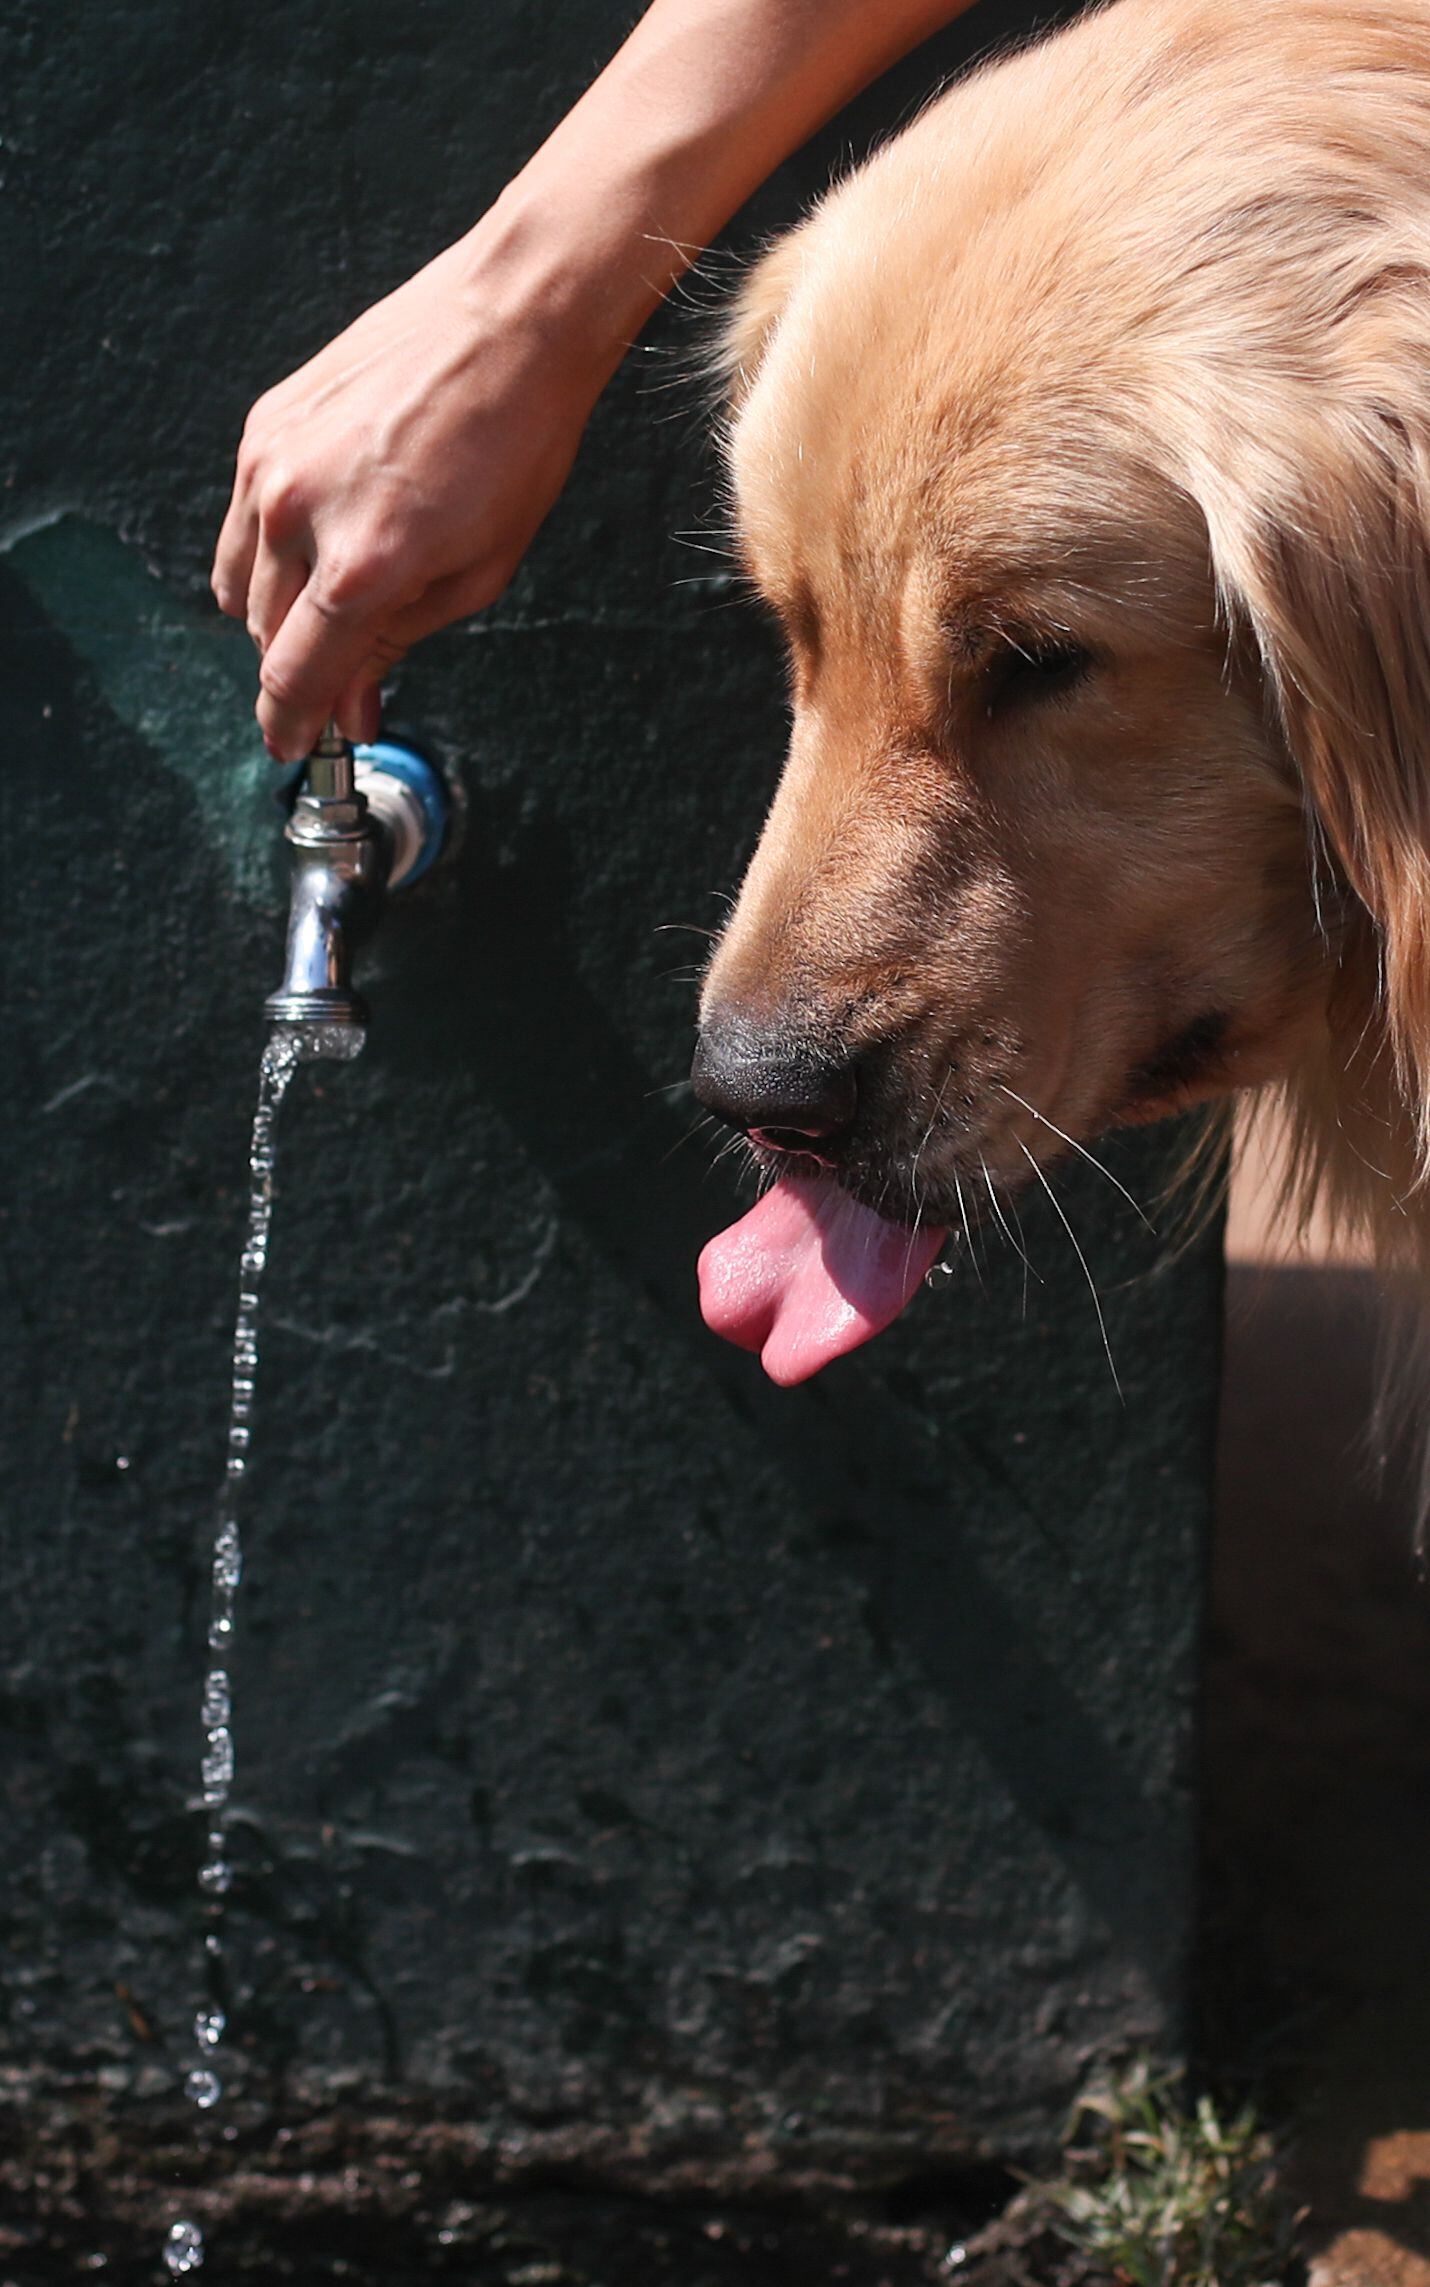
(1081, 441)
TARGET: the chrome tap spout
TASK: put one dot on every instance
(341, 860)
(362, 824)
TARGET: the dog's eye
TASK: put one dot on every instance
(1032, 667)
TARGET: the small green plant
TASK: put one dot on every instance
(1160, 2193)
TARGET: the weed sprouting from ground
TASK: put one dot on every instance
(1163, 2192)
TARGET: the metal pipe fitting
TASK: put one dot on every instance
(365, 821)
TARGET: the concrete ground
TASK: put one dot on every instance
(404, 2198)
(1318, 1754)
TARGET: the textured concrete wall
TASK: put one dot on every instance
(622, 1744)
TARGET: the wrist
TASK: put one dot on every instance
(579, 288)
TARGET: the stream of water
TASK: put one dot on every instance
(286, 1049)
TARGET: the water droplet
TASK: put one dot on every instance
(184, 2248)
(218, 1700)
(216, 1878)
(216, 1768)
(228, 1556)
(209, 2027)
(203, 2088)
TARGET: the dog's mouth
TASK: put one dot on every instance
(811, 1273)
(815, 1269)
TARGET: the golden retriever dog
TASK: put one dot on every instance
(1081, 443)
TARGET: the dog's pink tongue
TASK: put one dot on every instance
(809, 1274)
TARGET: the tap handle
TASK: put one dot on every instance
(329, 773)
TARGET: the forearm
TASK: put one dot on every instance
(394, 482)
(701, 104)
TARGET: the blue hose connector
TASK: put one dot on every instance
(408, 796)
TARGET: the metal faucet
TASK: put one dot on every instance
(366, 820)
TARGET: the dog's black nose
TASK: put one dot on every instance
(781, 1090)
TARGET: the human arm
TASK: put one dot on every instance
(394, 482)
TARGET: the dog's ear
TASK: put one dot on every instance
(751, 324)
(1320, 533)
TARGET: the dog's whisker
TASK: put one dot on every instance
(720, 603)
(1077, 1250)
(680, 383)
(913, 1236)
(735, 1145)
(682, 1140)
(928, 1131)
(914, 1171)
(703, 548)
(738, 600)
(1019, 1250)
(1082, 1152)
(703, 580)
(967, 1227)
(1028, 1270)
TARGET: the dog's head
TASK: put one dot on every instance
(1088, 477)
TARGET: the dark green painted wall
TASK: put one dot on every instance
(622, 1744)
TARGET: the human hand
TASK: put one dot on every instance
(393, 483)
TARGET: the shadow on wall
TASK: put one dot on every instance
(1318, 1759)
